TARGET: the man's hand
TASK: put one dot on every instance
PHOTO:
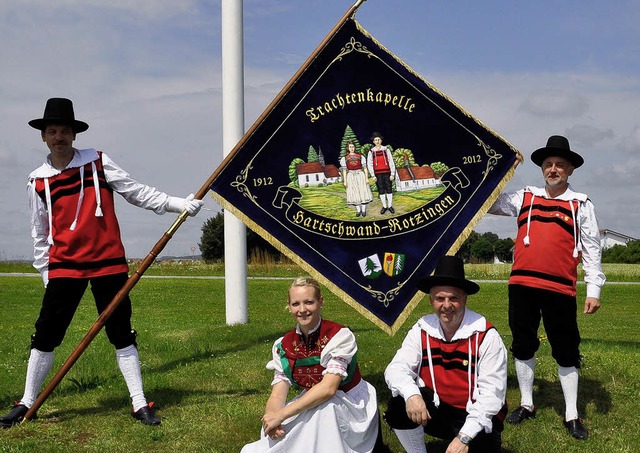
(191, 205)
(456, 446)
(591, 305)
(417, 410)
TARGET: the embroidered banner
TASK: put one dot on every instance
(364, 174)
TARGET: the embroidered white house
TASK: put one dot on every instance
(315, 174)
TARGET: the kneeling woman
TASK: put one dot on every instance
(337, 410)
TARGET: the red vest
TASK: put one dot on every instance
(451, 367)
(380, 161)
(301, 361)
(353, 163)
(94, 247)
(548, 261)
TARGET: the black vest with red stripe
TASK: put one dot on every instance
(301, 360)
(548, 261)
(94, 247)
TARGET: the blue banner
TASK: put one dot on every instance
(364, 174)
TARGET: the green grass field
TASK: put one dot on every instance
(210, 385)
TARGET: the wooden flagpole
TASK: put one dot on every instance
(160, 245)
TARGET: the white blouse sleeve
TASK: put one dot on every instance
(508, 204)
(338, 353)
(401, 374)
(591, 249)
(39, 230)
(134, 192)
(492, 385)
(275, 364)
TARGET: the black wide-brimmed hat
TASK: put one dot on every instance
(59, 111)
(377, 134)
(449, 272)
(557, 145)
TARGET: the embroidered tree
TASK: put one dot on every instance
(312, 156)
(403, 158)
(371, 266)
(293, 173)
(349, 136)
(439, 168)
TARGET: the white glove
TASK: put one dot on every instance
(189, 204)
(45, 277)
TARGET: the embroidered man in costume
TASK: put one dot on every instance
(555, 226)
(76, 241)
(449, 377)
(383, 169)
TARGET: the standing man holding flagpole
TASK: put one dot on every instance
(76, 241)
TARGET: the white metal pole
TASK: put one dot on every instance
(235, 246)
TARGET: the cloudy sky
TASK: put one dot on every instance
(146, 76)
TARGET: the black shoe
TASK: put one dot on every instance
(576, 429)
(364, 213)
(146, 415)
(520, 414)
(383, 210)
(15, 415)
(391, 210)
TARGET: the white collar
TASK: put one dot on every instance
(299, 332)
(471, 323)
(567, 195)
(81, 157)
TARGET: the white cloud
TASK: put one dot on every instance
(555, 103)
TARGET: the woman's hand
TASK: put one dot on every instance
(272, 423)
(276, 433)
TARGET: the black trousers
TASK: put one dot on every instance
(446, 421)
(383, 183)
(558, 313)
(61, 299)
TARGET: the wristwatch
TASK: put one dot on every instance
(464, 438)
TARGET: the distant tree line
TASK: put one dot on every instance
(629, 254)
(212, 242)
(485, 247)
(478, 248)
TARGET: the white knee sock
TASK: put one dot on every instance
(569, 382)
(525, 370)
(389, 199)
(40, 363)
(412, 439)
(383, 200)
(129, 365)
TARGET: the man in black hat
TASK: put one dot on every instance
(449, 378)
(77, 241)
(556, 226)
